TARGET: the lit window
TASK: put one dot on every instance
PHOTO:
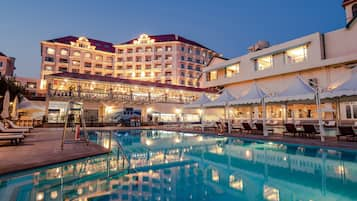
(50, 50)
(98, 58)
(232, 70)
(235, 183)
(49, 68)
(0, 63)
(212, 75)
(87, 55)
(168, 48)
(76, 53)
(64, 52)
(271, 194)
(49, 59)
(75, 63)
(296, 55)
(215, 175)
(263, 63)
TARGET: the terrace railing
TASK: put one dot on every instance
(121, 97)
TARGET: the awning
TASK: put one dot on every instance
(224, 99)
(348, 88)
(199, 102)
(298, 90)
(254, 96)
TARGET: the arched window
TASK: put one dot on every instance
(354, 10)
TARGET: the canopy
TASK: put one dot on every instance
(5, 105)
(224, 99)
(199, 102)
(28, 106)
(348, 88)
(298, 90)
(254, 96)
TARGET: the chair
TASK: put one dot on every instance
(260, 128)
(330, 124)
(12, 137)
(12, 130)
(13, 125)
(247, 128)
(345, 131)
(310, 130)
(291, 128)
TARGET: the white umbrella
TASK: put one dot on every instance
(28, 106)
(14, 108)
(348, 88)
(5, 105)
(199, 103)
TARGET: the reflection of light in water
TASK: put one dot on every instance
(248, 154)
(177, 140)
(215, 175)
(80, 191)
(148, 142)
(340, 170)
(57, 170)
(285, 158)
(200, 138)
(235, 183)
(39, 196)
(90, 188)
(271, 194)
(270, 143)
(53, 195)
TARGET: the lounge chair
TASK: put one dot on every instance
(247, 128)
(260, 128)
(12, 130)
(330, 124)
(346, 131)
(291, 128)
(310, 130)
(13, 125)
(272, 123)
(12, 137)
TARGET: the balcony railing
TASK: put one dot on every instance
(121, 97)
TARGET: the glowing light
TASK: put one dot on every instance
(142, 74)
(108, 109)
(40, 196)
(148, 142)
(149, 110)
(177, 140)
(200, 111)
(248, 154)
(340, 170)
(80, 191)
(178, 111)
(53, 195)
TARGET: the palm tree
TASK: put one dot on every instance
(15, 89)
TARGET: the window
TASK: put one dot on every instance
(119, 67)
(49, 68)
(182, 74)
(99, 58)
(129, 67)
(158, 66)
(182, 82)
(168, 65)
(263, 63)
(296, 55)
(49, 59)
(50, 51)
(129, 50)
(75, 70)
(168, 48)
(189, 59)
(119, 75)
(62, 60)
(159, 49)
(148, 67)
(198, 68)
(351, 111)
(198, 61)
(98, 73)
(232, 70)
(189, 50)
(108, 75)
(0, 63)
(158, 57)
(76, 54)
(189, 67)
(109, 67)
(62, 69)
(64, 52)
(119, 59)
(182, 66)
(87, 55)
(138, 67)
(87, 64)
(147, 58)
(75, 63)
(212, 75)
(31, 85)
(139, 49)
(120, 51)
(190, 75)
(148, 49)
(182, 58)
(354, 10)
(198, 52)
(168, 57)
(129, 59)
(87, 72)
(182, 50)
(109, 59)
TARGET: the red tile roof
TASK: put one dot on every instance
(168, 38)
(99, 45)
(129, 81)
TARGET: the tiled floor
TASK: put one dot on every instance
(43, 147)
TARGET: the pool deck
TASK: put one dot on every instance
(42, 147)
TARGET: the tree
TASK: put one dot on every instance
(15, 89)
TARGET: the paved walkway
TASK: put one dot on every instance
(43, 147)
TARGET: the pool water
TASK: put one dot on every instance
(171, 166)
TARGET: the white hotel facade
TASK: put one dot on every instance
(327, 59)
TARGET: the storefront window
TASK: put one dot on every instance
(348, 112)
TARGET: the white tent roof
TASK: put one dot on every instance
(222, 100)
(254, 96)
(297, 90)
(199, 102)
(348, 88)
(29, 106)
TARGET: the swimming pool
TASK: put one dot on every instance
(172, 166)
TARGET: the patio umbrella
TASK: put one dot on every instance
(223, 101)
(199, 103)
(5, 105)
(348, 88)
(28, 106)
(14, 108)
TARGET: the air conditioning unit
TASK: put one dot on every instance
(313, 82)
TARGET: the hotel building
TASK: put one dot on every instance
(7, 65)
(169, 59)
(326, 59)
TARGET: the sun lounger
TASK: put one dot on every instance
(247, 128)
(291, 128)
(330, 124)
(346, 131)
(13, 125)
(12, 130)
(310, 130)
(12, 137)
(260, 128)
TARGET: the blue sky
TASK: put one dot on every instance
(227, 26)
